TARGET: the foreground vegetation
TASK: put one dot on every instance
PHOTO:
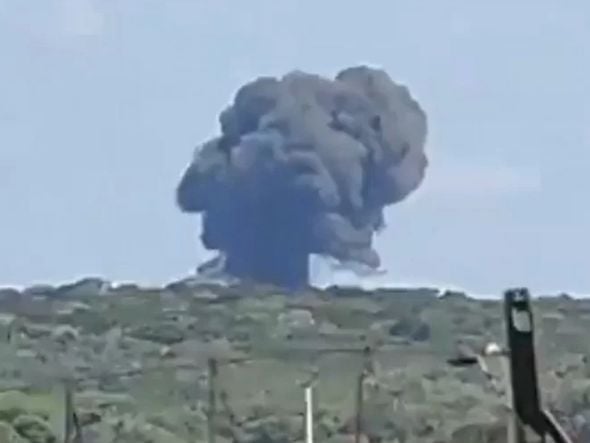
(137, 361)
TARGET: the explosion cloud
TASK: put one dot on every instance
(305, 165)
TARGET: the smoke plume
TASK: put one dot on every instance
(305, 165)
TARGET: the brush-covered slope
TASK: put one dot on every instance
(139, 357)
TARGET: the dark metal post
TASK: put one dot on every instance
(526, 403)
(527, 413)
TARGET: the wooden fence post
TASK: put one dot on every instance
(72, 430)
(360, 394)
(68, 412)
(212, 412)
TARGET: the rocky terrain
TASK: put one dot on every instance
(137, 362)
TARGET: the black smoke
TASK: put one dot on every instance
(305, 165)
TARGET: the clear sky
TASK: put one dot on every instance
(103, 101)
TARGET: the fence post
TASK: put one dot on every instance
(360, 394)
(309, 437)
(68, 412)
(358, 419)
(524, 385)
(72, 430)
(212, 412)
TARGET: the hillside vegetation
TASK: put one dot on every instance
(137, 360)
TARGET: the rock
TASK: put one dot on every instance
(34, 429)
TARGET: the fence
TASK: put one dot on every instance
(224, 395)
(221, 389)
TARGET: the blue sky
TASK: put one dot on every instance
(103, 101)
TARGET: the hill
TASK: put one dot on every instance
(138, 360)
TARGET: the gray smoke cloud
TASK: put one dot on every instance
(305, 165)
